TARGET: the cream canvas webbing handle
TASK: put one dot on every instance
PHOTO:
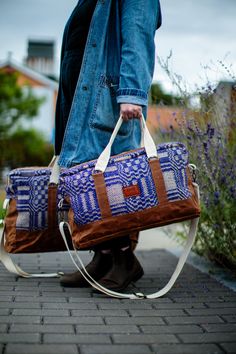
(137, 295)
(12, 267)
(148, 143)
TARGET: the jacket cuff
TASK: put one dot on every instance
(134, 96)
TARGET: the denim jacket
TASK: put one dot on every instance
(117, 67)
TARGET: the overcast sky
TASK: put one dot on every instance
(199, 33)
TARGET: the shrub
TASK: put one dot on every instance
(212, 146)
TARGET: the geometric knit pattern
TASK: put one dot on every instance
(29, 187)
(125, 170)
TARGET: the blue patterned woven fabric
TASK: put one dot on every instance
(125, 170)
(29, 187)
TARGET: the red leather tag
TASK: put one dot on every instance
(131, 191)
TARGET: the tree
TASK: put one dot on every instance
(17, 104)
(27, 148)
(158, 96)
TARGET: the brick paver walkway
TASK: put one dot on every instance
(39, 316)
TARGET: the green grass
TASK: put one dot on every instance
(2, 197)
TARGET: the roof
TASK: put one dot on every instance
(40, 49)
(30, 73)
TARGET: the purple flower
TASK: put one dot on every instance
(216, 226)
(216, 197)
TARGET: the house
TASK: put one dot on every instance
(164, 118)
(224, 100)
(42, 86)
(40, 56)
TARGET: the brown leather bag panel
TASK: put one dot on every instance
(23, 241)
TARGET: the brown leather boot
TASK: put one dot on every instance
(97, 268)
(125, 269)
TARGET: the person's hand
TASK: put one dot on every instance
(130, 111)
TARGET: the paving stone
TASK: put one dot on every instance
(105, 300)
(41, 328)
(41, 349)
(209, 292)
(114, 349)
(171, 329)
(215, 311)
(96, 300)
(70, 306)
(223, 327)
(53, 294)
(28, 288)
(193, 319)
(19, 338)
(22, 305)
(136, 313)
(80, 295)
(74, 320)
(43, 312)
(106, 329)
(3, 328)
(77, 291)
(229, 347)
(176, 305)
(133, 305)
(229, 297)
(230, 318)
(144, 338)
(30, 285)
(186, 349)
(26, 293)
(4, 311)
(6, 298)
(134, 320)
(51, 289)
(8, 282)
(6, 288)
(20, 319)
(207, 337)
(77, 338)
(99, 313)
(198, 299)
(8, 293)
(221, 305)
(40, 299)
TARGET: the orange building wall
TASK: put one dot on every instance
(163, 117)
(23, 79)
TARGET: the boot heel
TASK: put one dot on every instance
(138, 275)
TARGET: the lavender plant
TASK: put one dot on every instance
(211, 151)
(210, 134)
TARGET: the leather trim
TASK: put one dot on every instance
(131, 191)
(103, 202)
(158, 180)
(52, 206)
